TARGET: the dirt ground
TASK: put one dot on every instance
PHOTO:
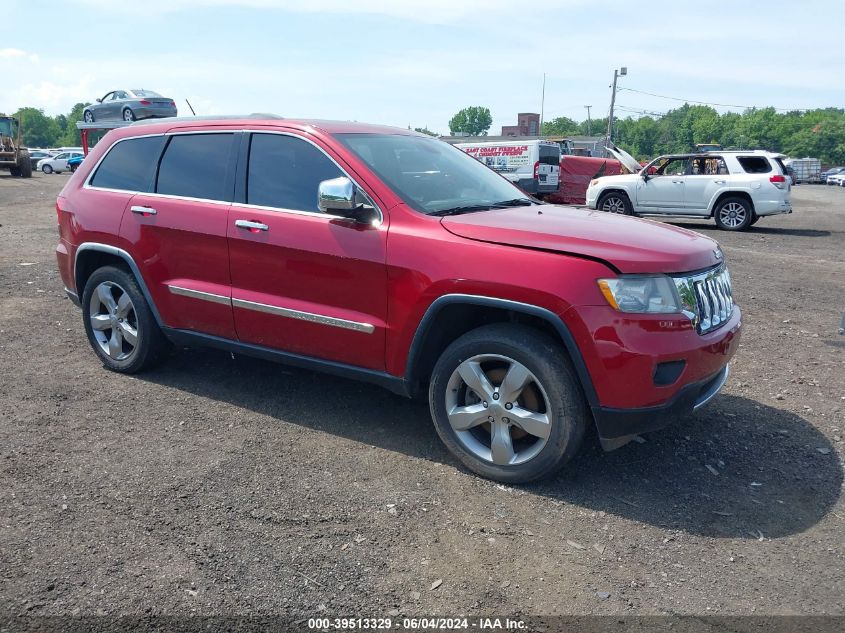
(219, 485)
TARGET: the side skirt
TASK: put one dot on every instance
(187, 338)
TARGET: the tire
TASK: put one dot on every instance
(25, 166)
(128, 115)
(734, 214)
(47, 169)
(88, 116)
(755, 220)
(551, 392)
(615, 202)
(127, 339)
(15, 171)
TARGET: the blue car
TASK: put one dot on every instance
(75, 162)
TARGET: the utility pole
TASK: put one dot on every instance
(589, 121)
(616, 74)
(542, 106)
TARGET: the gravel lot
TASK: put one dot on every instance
(218, 485)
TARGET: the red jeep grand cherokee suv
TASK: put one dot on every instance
(392, 257)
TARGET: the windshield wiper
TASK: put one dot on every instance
(469, 208)
(514, 202)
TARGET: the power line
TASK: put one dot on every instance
(640, 111)
(721, 105)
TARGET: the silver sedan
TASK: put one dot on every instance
(129, 105)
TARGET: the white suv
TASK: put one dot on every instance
(734, 188)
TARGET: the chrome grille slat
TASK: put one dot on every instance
(714, 296)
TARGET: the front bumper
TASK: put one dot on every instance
(591, 198)
(647, 370)
(617, 427)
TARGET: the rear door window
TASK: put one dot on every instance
(754, 164)
(196, 166)
(549, 155)
(129, 165)
(285, 172)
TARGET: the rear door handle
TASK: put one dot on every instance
(252, 226)
(143, 210)
(678, 182)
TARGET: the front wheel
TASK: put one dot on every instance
(128, 115)
(506, 402)
(734, 214)
(47, 169)
(89, 116)
(616, 202)
(120, 325)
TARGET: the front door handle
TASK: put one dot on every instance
(254, 227)
(678, 182)
(720, 182)
(143, 210)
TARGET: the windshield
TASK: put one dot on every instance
(430, 175)
(145, 93)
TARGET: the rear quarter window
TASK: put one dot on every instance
(754, 164)
(196, 166)
(129, 165)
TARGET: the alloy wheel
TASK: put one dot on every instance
(89, 118)
(732, 214)
(114, 322)
(613, 204)
(498, 409)
(127, 115)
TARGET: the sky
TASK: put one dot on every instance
(417, 62)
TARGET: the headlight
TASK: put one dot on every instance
(640, 293)
(594, 182)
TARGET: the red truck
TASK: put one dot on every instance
(388, 256)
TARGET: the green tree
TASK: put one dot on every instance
(474, 120)
(561, 126)
(38, 130)
(71, 135)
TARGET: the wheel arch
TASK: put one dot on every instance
(730, 194)
(613, 189)
(451, 316)
(92, 255)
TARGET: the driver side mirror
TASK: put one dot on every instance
(644, 175)
(339, 196)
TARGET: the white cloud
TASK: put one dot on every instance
(16, 53)
(431, 11)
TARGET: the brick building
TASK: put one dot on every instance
(528, 125)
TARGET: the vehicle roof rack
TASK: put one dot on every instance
(112, 125)
(210, 117)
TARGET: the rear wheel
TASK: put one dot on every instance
(507, 404)
(15, 170)
(128, 115)
(120, 326)
(734, 214)
(25, 165)
(616, 202)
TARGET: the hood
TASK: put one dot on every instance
(630, 245)
(629, 162)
